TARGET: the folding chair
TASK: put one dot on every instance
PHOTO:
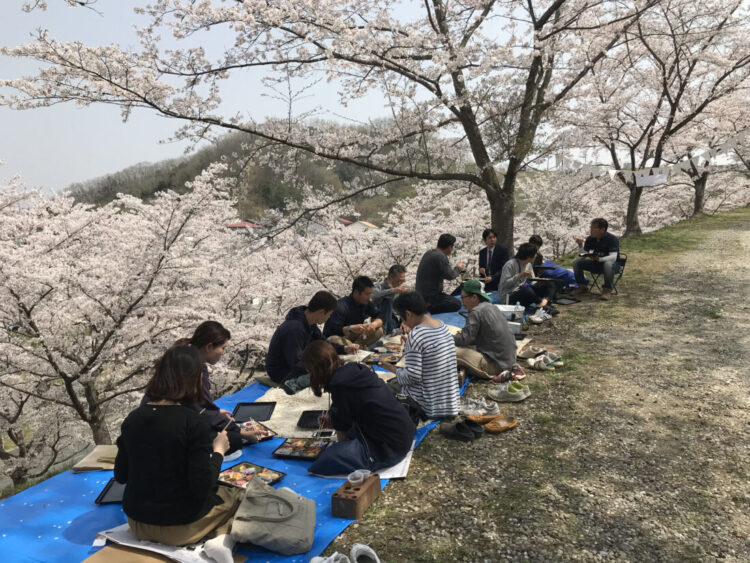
(619, 269)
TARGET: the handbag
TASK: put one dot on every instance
(279, 520)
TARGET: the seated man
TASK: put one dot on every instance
(433, 269)
(599, 254)
(385, 292)
(492, 258)
(300, 327)
(430, 377)
(346, 324)
(486, 346)
(515, 287)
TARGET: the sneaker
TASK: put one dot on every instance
(552, 310)
(504, 395)
(538, 317)
(503, 377)
(361, 553)
(478, 407)
(580, 290)
(517, 387)
(541, 363)
(517, 372)
(606, 294)
(554, 359)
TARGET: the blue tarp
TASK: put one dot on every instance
(57, 519)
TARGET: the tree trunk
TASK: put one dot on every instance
(99, 430)
(502, 211)
(96, 419)
(632, 227)
(699, 184)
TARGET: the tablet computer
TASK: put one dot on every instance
(241, 474)
(309, 419)
(255, 411)
(307, 449)
(111, 493)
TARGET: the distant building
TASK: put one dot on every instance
(361, 226)
(243, 227)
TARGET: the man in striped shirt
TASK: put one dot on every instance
(430, 376)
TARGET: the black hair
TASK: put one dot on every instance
(395, 270)
(177, 376)
(410, 301)
(361, 283)
(320, 360)
(600, 223)
(209, 332)
(488, 232)
(536, 240)
(526, 251)
(446, 241)
(322, 300)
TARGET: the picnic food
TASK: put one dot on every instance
(240, 475)
(261, 431)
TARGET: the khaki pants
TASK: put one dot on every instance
(218, 520)
(475, 362)
(363, 341)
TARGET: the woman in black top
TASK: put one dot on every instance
(374, 429)
(169, 459)
(211, 339)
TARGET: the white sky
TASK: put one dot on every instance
(52, 147)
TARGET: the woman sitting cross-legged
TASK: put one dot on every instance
(374, 429)
(169, 460)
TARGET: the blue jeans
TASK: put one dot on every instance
(390, 322)
(597, 267)
(341, 458)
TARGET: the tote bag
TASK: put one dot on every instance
(279, 520)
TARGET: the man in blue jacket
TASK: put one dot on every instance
(292, 337)
(346, 325)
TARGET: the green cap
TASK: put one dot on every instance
(474, 286)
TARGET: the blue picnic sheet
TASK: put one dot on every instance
(57, 519)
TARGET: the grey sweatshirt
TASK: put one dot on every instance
(433, 269)
(487, 330)
(510, 280)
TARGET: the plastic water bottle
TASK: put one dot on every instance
(515, 313)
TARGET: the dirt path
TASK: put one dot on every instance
(636, 451)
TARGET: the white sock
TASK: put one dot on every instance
(220, 548)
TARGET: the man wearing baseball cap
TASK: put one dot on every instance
(486, 346)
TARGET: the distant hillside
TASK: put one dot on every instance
(261, 187)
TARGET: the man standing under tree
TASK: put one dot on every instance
(599, 254)
(433, 269)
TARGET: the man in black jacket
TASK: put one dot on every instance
(492, 258)
(292, 337)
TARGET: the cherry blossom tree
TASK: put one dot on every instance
(683, 59)
(94, 295)
(450, 73)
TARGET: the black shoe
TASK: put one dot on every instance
(288, 390)
(552, 310)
